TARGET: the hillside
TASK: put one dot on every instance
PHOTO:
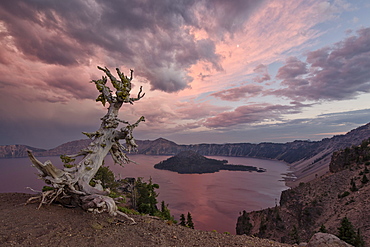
(345, 192)
(307, 159)
(57, 226)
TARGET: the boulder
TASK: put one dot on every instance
(325, 239)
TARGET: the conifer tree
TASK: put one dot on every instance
(147, 197)
(364, 179)
(323, 229)
(359, 241)
(182, 220)
(353, 185)
(295, 235)
(346, 231)
(165, 212)
(189, 222)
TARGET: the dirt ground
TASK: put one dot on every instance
(54, 225)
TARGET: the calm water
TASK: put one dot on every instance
(214, 200)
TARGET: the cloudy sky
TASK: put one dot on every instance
(214, 71)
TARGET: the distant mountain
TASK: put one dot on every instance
(324, 201)
(20, 151)
(15, 151)
(190, 162)
(307, 159)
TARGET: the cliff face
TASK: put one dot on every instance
(20, 151)
(324, 201)
(16, 151)
(343, 159)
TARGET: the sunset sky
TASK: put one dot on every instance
(214, 71)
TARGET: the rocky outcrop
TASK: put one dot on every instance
(323, 202)
(326, 240)
(342, 159)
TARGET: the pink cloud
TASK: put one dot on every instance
(250, 114)
(338, 72)
(263, 73)
(239, 93)
(192, 110)
(292, 69)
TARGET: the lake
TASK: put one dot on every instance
(214, 200)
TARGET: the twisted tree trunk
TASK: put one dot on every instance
(71, 185)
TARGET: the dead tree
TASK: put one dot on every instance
(71, 185)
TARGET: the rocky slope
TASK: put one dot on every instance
(325, 201)
(53, 225)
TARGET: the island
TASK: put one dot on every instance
(190, 162)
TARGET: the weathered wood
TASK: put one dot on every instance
(69, 182)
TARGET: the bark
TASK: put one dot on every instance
(71, 185)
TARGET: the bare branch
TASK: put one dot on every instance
(46, 169)
(131, 74)
(139, 96)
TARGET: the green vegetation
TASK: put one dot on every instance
(263, 227)
(364, 179)
(166, 214)
(356, 155)
(348, 233)
(67, 161)
(147, 197)
(345, 193)
(323, 229)
(349, 202)
(189, 221)
(182, 220)
(143, 195)
(295, 235)
(353, 185)
(128, 211)
(245, 222)
(47, 188)
(146, 200)
(106, 177)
